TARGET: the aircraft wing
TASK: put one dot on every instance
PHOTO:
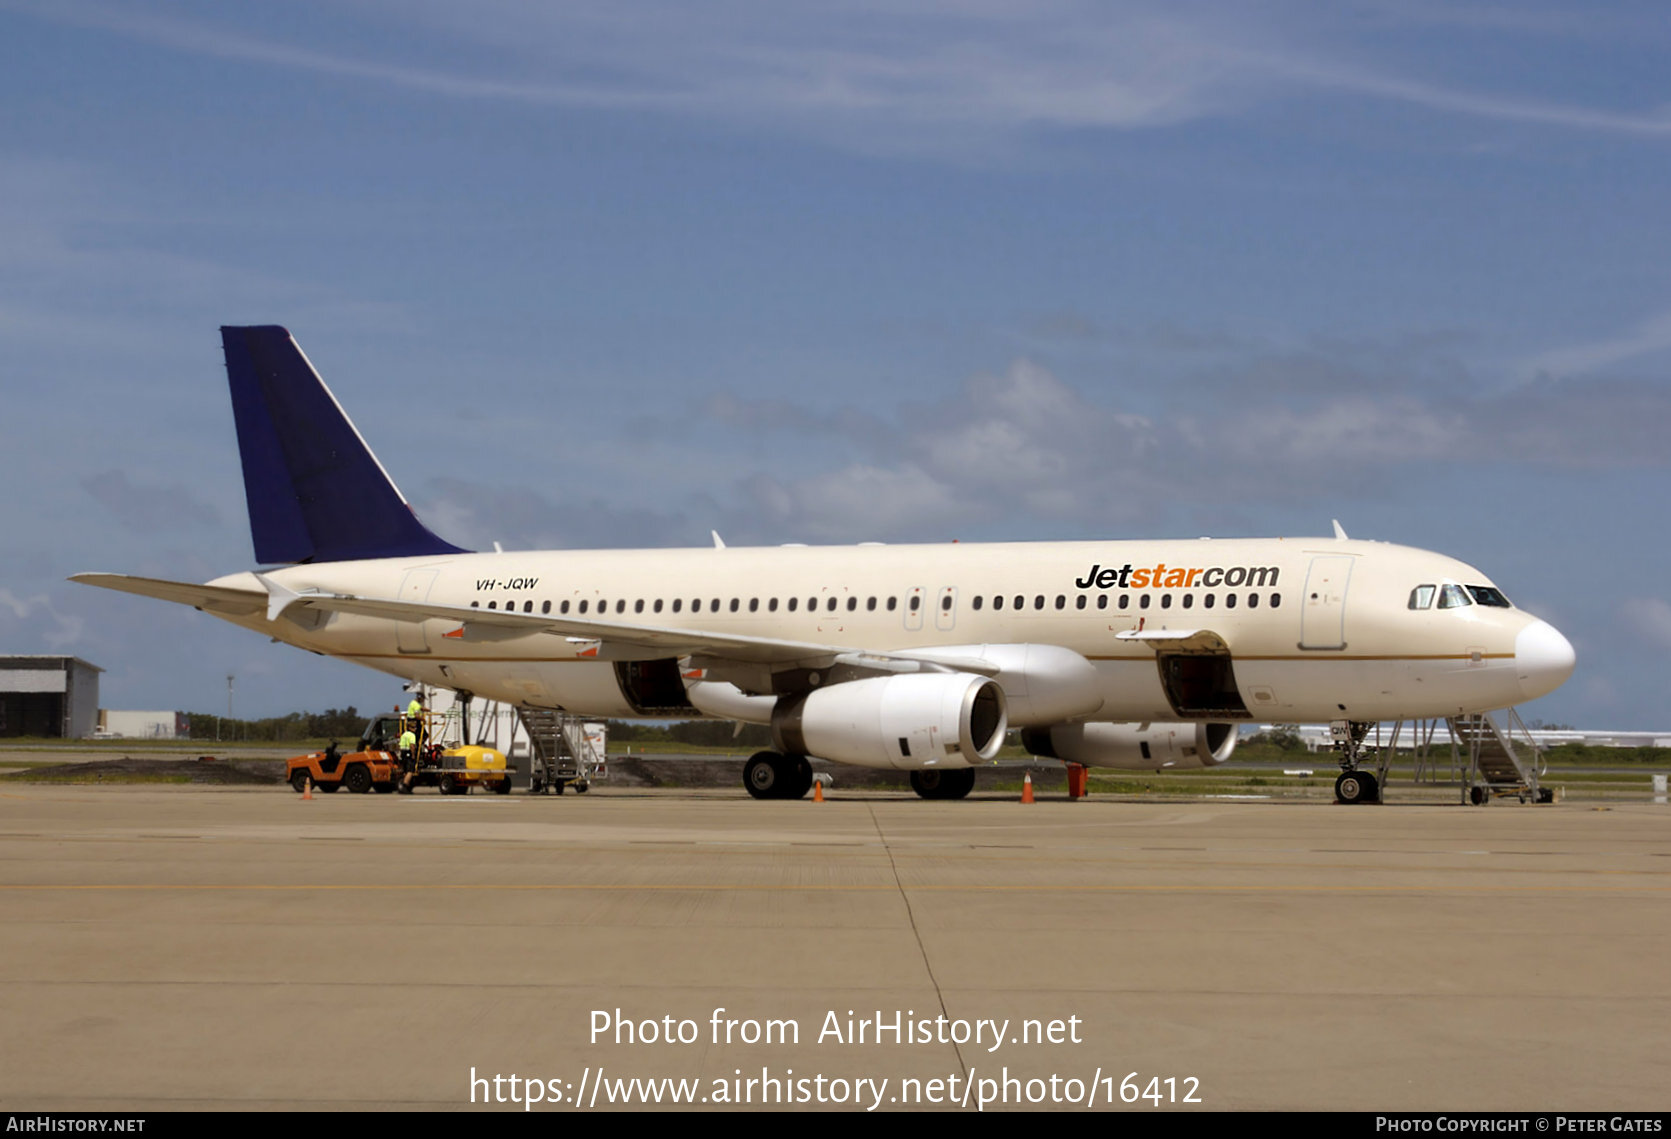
(614, 638)
(617, 638)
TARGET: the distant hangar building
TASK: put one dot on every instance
(48, 696)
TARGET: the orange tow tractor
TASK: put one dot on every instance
(359, 771)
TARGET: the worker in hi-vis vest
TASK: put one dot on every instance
(411, 739)
(408, 759)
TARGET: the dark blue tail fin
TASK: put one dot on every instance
(316, 492)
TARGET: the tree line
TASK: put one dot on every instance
(333, 723)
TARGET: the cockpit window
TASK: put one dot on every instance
(1489, 595)
(1421, 597)
(1453, 597)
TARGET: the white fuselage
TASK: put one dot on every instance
(1317, 629)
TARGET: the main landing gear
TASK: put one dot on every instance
(943, 783)
(769, 775)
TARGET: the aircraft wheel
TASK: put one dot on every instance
(1371, 787)
(929, 784)
(763, 775)
(357, 779)
(957, 784)
(1349, 788)
(800, 777)
(299, 780)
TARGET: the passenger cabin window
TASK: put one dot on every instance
(976, 602)
(870, 605)
(754, 605)
(852, 604)
(1421, 597)
(832, 605)
(1489, 595)
(1453, 597)
(916, 602)
(545, 607)
(794, 603)
(638, 606)
(893, 603)
(564, 607)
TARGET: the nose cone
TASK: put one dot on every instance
(1543, 659)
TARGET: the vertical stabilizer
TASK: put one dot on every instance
(316, 493)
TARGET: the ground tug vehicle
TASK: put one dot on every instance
(377, 764)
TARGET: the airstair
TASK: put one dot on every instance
(563, 755)
(1502, 758)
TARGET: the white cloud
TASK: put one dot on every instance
(1648, 619)
(1646, 338)
(908, 75)
(33, 622)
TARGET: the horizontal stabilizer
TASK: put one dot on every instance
(215, 598)
(316, 493)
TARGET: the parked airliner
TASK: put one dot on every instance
(1132, 654)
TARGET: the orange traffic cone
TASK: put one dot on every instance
(307, 790)
(1027, 788)
(817, 790)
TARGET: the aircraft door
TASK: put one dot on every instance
(415, 586)
(1323, 610)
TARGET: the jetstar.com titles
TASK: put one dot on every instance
(1163, 576)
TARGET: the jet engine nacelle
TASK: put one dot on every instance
(912, 721)
(1135, 747)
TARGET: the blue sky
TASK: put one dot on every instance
(831, 273)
